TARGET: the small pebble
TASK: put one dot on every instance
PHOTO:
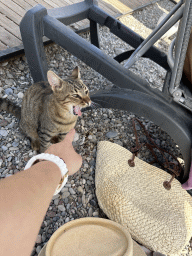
(111, 135)
(3, 133)
(38, 239)
(56, 201)
(71, 191)
(8, 91)
(4, 148)
(13, 148)
(20, 95)
(61, 208)
(83, 199)
(38, 249)
(80, 189)
(65, 189)
(76, 137)
(90, 213)
(65, 194)
(67, 220)
(15, 144)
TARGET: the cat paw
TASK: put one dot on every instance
(35, 145)
(54, 139)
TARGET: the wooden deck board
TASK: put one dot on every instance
(3, 46)
(14, 7)
(8, 38)
(10, 26)
(10, 14)
(12, 11)
(22, 3)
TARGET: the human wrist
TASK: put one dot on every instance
(57, 161)
(47, 165)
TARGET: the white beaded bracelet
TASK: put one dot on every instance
(58, 161)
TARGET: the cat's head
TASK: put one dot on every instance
(72, 93)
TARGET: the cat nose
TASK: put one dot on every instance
(88, 102)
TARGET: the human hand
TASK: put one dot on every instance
(65, 151)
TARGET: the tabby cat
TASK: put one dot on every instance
(50, 109)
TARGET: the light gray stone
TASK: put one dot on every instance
(76, 137)
(95, 214)
(15, 144)
(20, 95)
(4, 148)
(80, 189)
(67, 220)
(38, 239)
(13, 148)
(61, 208)
(71, 191)
(56, 201)
(90, 212)
(83, 199)
(38, 249)
(8, 91)
(3, 133)
(65, 189)
(111, 135)
(65, 195)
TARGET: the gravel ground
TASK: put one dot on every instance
(77, 199)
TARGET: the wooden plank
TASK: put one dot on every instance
(42, 2)
(59, 3)
(23, 4)
(108, 8)
(8, 39)
(52, 4)
(10, 26)
(31, 2)
(66, 2)
(35, 2)
(10, 14)
(118, 5)
(15, 7)
(2, 46)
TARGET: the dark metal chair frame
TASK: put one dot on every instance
(171, 108)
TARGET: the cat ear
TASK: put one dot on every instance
(54, 80)
(76, 73)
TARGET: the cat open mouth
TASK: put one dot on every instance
(77, 110)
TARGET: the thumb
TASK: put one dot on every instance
(70, 136)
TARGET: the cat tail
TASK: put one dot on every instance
(10, 107)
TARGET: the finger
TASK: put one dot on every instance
(70, 136)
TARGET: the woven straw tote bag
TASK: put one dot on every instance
(135, 197)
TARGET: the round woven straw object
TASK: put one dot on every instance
(93, 237)
(157, 218)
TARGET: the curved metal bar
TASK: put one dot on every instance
(182, 40)
(160, 30)
(94, 33)
(176, 124)
(170, 58)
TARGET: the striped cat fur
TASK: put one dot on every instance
(50, 109)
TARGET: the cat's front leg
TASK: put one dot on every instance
(45, 141)
(61, 136)
(44, 146)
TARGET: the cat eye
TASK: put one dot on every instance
(77, 96)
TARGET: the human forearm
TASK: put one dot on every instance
(31, 190)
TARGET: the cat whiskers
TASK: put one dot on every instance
(93, 105)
